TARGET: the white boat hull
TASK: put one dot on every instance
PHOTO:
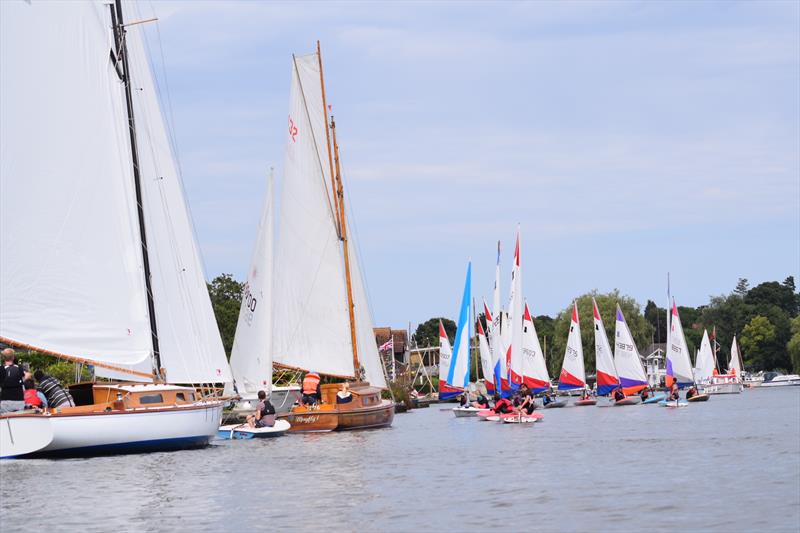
(461, 412)
(783, 381)
(722, 388)
(129, 431)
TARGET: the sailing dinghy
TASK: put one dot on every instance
(679, 363)
(321, 317)
(573, 373)
(457, 373)
(111, 244)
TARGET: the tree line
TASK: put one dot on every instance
(764, 318)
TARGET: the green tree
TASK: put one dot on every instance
(226, 298)
(729, 314)
(793, 346)
(742, 286)
(427, 333)
(756, 340)
(657, 317)
(545, 330)
(641, 329)
(774, 293)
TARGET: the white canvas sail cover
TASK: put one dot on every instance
(515, 315)
(735, 365)
(573, 373)
(534, 369)
(70, 257)
(607, 379)
(705, 360)
(679, 364)
(312, 325)
(251, 356)
(629, 367)
(445, 354)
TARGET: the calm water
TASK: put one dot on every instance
(730, 464)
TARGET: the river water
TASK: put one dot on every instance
(731, 464)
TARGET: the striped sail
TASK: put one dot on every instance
(573, 374)
(679, 365)
(631, 373)
(607, 379)
(534, 369)
(459, 366)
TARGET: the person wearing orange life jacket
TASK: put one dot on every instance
(311, 389)
(503, 406)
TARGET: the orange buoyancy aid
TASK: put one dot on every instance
(31, 398)
(310, 383)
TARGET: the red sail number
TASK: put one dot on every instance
(292, 129)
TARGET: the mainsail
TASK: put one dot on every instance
(534, 369)
(679, 364)
(704, 365)
(735, 365)
(492, 378)
(72, 274)
(627, 361)
(573, 373)
(515, 319)
(446, 391)
(459, 366)
(486, 357)
(251, 357)
(607, 379)
(496, 337)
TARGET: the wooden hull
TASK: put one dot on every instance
(378, 416)
(312, 419)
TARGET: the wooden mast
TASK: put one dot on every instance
(328, 138)
(345, 245)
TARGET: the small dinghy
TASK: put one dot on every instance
(587, 401)
(521, 419)
(655, 399)
(243, 431)
(556, 403)
(466, 411)
(699, 398)
(673, 403)
(628, 400)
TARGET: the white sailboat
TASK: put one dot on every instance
(573, 372)
(325, 323)
(679, 363)
(704, 366)
(534, 368)
(111, 244)
(515, 305)
(712, 382)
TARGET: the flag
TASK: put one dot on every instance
(388, 345)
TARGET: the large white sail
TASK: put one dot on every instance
(71, 275)
(607, 379)
(679, 363)
(735, 365)
(189, 340)
(486, 356)
(704, 365)
(627, 361)
(251, 356)
(445, 355)
(496, 338)
(573, 373)
(311, 329)
(534, 369)
(515, 316)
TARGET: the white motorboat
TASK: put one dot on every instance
(782, 381)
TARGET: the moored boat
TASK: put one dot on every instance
(782, 381)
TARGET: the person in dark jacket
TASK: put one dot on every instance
(12, 396)
(265, 413)
(56, 395)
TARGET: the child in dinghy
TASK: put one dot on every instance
(265, 413)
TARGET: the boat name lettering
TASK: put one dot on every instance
(310, 419)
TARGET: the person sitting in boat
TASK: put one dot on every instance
(312, 393)
(674, 391)
(463, 401)
(618, 394)
(344, 395)
(645, 394)
(586, 395)
(264, 417)
(692, 392)
(502, 406)
(547, 399)
(528, 404)
(33, 398)
(55, 394)
(482, 402)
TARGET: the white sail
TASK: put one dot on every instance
(445, 355)
(515, 315)
(188, 335)
(485, 354)
(627, 361)
(607, 379)
(312, 324)
(71, 275)
(573, 373)
(534, 369)
(704, 365)
(251, 356)
(735, 365)
(679, 364)
(496, 339)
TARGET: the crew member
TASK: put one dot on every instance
(264, 416)
(55, 394)
(618, 394)
(312, 393)
(12, 397)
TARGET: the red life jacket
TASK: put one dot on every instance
(310, 383)
(31, 398)
(503, 405)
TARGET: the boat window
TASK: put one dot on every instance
(150, 398)
(180, 397)
(191, 396)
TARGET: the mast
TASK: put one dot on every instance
(122, 57)
(345, 245)
(328, 138)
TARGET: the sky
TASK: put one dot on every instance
(626, 139)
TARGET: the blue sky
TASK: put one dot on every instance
(627, 139)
